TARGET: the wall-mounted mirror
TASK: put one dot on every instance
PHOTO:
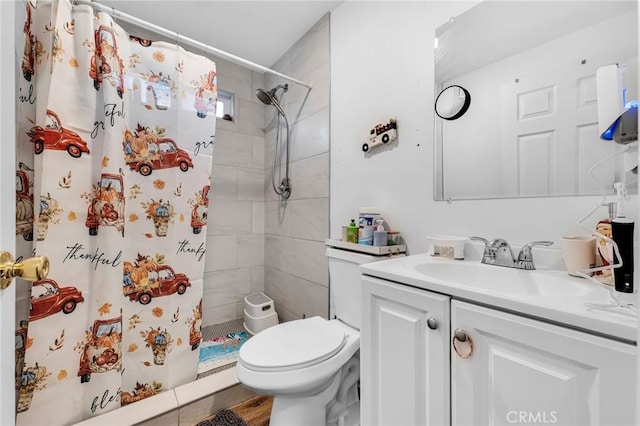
(452, 102)
(532, 130)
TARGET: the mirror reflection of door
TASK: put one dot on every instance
(532, 129)
(550, 135)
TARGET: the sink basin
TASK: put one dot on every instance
(536, 283)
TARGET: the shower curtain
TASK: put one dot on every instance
(115, 137)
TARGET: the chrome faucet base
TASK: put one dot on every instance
(498, 252)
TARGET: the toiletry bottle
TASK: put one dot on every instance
(352, 232)
(367, 218)
(622, 235)
(604, 252)
(379, 235)
(622, 230)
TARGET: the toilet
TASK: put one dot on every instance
(311, 366)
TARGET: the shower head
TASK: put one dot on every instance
(269, 98)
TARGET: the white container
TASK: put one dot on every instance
(447, 246)
(367, 220)
(259, 313)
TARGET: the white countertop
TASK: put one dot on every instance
(548, 294)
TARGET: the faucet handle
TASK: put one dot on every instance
(525, 254)
(484, 240)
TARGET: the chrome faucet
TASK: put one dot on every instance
(498, 252)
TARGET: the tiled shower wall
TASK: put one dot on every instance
(254, 242)
(296, 270)
(234, 264)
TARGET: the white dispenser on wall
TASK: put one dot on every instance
(617, 118)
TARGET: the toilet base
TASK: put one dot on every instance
(339, 400)
(308, 411)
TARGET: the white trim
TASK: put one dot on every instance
(166, 401)
(8, 202)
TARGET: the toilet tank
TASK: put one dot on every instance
(345, 285)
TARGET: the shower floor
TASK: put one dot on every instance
(220, 346)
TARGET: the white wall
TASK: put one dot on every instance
(382, 66)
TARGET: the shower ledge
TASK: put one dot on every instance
(166, 401)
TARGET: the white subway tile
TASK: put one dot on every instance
(277, 217)
(310, 219)
(295, 294)
(302, 258)
(229, 217)
(250, 184)
(222, 252)
(250, 250)
(233, 149)
(258, 217)
(224, 182)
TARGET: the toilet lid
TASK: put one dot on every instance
(292, 345)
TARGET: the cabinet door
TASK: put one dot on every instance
(525, 371)
(404, 355)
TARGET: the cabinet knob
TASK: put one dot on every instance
(432, 323)
(462, 343)
(460, 334)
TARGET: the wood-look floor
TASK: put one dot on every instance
(255, 411)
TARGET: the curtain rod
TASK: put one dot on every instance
(118, 15)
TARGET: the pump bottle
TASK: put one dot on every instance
(622, 234)
(352, 232)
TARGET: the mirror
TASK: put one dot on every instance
(452, 102)
(532, 130)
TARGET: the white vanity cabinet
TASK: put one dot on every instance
(525, 371)
(520, 371)
(404, 355)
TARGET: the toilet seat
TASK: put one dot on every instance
(292, 345)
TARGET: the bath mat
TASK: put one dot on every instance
(220, 346)
(224, 418)
(221, 350)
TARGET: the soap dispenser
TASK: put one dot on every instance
(379, 234)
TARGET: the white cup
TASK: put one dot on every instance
(579, 254)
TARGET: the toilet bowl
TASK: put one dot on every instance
(305, 365)
(311, 366)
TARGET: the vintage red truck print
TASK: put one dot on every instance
(145, 151)
(206, 95)
(47, 298)
(101, 350)
(200, 209)
(57, 138)
(106, 206)
(29, 54)
(24, 206)
(105, 62)
(145, 279)
(195, 327)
